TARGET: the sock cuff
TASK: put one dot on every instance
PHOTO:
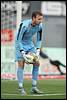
(33, 85)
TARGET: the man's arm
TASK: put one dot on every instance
(38, 42)
(21, 31)
(39, 37)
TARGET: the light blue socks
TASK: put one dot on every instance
(35, 75)
(20, 76)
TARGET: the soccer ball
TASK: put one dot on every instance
(31, 57)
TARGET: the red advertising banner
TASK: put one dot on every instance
(7, 35)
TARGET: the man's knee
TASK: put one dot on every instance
(37, 63)
(21, 64)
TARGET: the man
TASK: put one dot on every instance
(24, 44)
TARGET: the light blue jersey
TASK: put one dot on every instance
(24, 37)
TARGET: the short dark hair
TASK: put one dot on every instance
(35, 13)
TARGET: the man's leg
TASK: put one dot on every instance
(20, 74)
(20, 70)
(35, 74)
(35, 78)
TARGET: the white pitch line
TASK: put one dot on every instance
(36, 95)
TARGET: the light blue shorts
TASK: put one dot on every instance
(18, 54)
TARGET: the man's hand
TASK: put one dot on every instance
(38, 53)
(24, 56)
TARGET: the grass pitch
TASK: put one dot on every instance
(52, 88)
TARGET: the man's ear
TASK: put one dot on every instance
(34, 18)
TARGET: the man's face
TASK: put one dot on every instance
(38, 19)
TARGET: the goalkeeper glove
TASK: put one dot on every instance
(37, 53)
(24, 56)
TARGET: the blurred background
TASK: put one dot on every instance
(53, 39)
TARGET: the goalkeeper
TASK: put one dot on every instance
(24, 45)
